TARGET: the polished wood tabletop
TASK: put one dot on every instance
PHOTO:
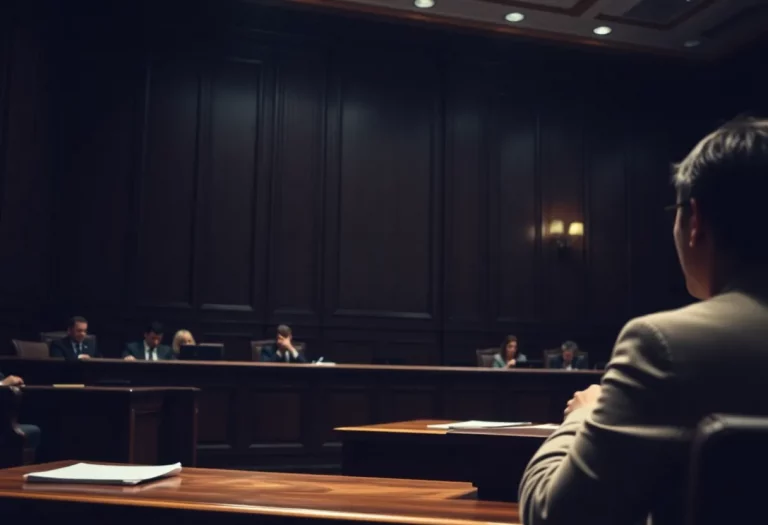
(277, 495)
(421, 427)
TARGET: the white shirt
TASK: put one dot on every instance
(147, 353)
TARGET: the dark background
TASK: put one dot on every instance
(224, 167)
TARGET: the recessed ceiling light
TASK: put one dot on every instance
(424, 4)
(603, 30)
(692, 43)
(515, 17)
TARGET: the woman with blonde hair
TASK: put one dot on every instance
(182, 338)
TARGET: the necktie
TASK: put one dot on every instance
(79, 348)
(149, 354)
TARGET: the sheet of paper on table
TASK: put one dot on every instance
(104, 474)
(547, 426)
(473, 424)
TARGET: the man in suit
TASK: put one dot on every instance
(31, 432)
(283, 351)
(568, 360)
(74, 346)
(149, 349)
(622, 451)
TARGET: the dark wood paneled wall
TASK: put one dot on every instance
(384, 189)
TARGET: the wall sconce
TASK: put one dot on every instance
(563, 241)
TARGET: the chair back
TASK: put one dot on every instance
(258, 346)
(728, 461)
(31, 349)
(485, 356)
(549, 354)
(49, 337)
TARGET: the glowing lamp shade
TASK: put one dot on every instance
(576, 229)
(556, 228)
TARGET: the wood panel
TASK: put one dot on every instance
(270, 411)
(386, 180)
(296, 212)
(229, 241)
(167, 189)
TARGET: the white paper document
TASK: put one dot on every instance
(547, 426)
(103, 474)
(470, 425)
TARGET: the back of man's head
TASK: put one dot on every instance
(727, 175)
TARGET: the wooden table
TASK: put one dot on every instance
(146, 425)
(258, 415)
(493, 459)
(202, 496)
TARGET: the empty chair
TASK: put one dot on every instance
(33, 349)
(485, 357)
(728, 461)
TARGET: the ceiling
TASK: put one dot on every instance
(696, 28)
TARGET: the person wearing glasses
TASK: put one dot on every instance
(622, 452)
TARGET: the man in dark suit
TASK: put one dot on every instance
(150, 348)
(283, 351)
(31, 432)
(568, 360)
(74, 346)
(623, 453)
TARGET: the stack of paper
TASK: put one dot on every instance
(103, 474)
(471, 425)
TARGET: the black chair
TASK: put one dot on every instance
(485, 356)
(728, 465)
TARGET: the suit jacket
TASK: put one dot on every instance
(164, 353)
(579, 362)
(627, 457)
(269, 355)
(63, 348)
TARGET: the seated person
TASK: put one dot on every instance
(182, 338)
(283, 351)
(568, 360)
(511, 357)
(74, 346)
(31, 432)
(150, 348)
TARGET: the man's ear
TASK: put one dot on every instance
(695, 233)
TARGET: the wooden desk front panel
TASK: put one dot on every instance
(256, 413)
(233, 497)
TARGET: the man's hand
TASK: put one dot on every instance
(585, 398)
(511, 363)
(292, 350)
(12, 381)
(83, 356)
(129, 358)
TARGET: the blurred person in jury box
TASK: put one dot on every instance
(283, 351)
(182, 338)
(150, 348)
(622, 452)
(509, 357)
(567, 359)
(74, 346)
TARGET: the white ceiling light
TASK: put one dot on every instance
(603, 30)
(515, 17)
(424, 4)
(692, 43)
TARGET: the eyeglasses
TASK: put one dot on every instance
(674, 207)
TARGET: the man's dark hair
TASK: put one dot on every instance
(155, 327)
(76, 319)
(284, 330)
(570, 346)
(727, 174)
